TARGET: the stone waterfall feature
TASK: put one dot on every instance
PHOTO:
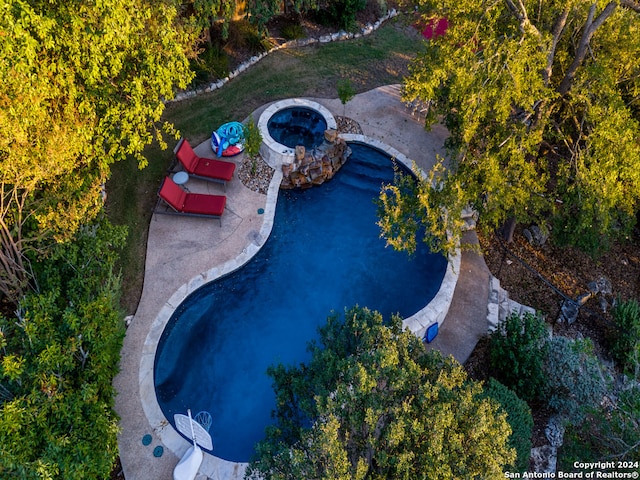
(316, 166)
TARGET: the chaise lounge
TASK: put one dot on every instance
(181, 202)
(203, 168)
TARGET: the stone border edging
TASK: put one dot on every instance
(212, 466)
(338, 36)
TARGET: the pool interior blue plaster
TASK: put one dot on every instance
(324, 254)
(293, 126)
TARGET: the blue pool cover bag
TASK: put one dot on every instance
(431, 333)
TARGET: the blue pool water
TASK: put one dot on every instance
(293, 126)
(324, 254)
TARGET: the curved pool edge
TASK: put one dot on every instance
(212, 466)
(275, 154)
(436, 310)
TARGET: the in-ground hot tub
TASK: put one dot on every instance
(293, 126)
(289, 123)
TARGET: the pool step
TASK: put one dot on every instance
(470, 216)
(500, 306)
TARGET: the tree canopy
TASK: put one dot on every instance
(83, 86)
(373, 403)
(542, 100)
(58, 357)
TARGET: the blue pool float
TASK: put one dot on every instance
(227, 140)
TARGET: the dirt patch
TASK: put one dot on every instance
(540, 276)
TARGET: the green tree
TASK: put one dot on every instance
(542, 100)
(252, 142)
(58, 357)
(83, 86)
(206, 13)
(373, 403)
(345, 93)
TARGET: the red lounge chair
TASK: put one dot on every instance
(194, 204)
(203, 168)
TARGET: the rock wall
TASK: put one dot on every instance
(316, 166)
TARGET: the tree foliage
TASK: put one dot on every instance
(58, 357)
(626, 342)
(373, 403)
(519, 418)
(517, 352)
(343, 12)
(261, 11)
(542, 100)
(205, 13)
(83, 85)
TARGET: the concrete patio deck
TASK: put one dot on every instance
(183, 253)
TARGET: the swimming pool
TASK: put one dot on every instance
(324, 254)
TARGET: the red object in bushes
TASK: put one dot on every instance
(436, 27)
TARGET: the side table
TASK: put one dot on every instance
(180, 178)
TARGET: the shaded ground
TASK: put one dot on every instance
(570, 271)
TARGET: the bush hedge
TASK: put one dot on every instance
(517, 352)
(519, 418)
(626, 342)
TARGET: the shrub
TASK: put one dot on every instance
(212, 63)
(519, 418)
(293, 31)
(252, 142)
(575, 378)
(611, 432)
(245, 36)
(626, 342)
(381, 8)
(342, 12)
(345, 92)
(516, 354)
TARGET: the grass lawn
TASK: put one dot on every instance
(313, 71)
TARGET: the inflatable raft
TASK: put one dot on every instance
(227, 140)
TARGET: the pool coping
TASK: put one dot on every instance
(274, 153)
(434, 312)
